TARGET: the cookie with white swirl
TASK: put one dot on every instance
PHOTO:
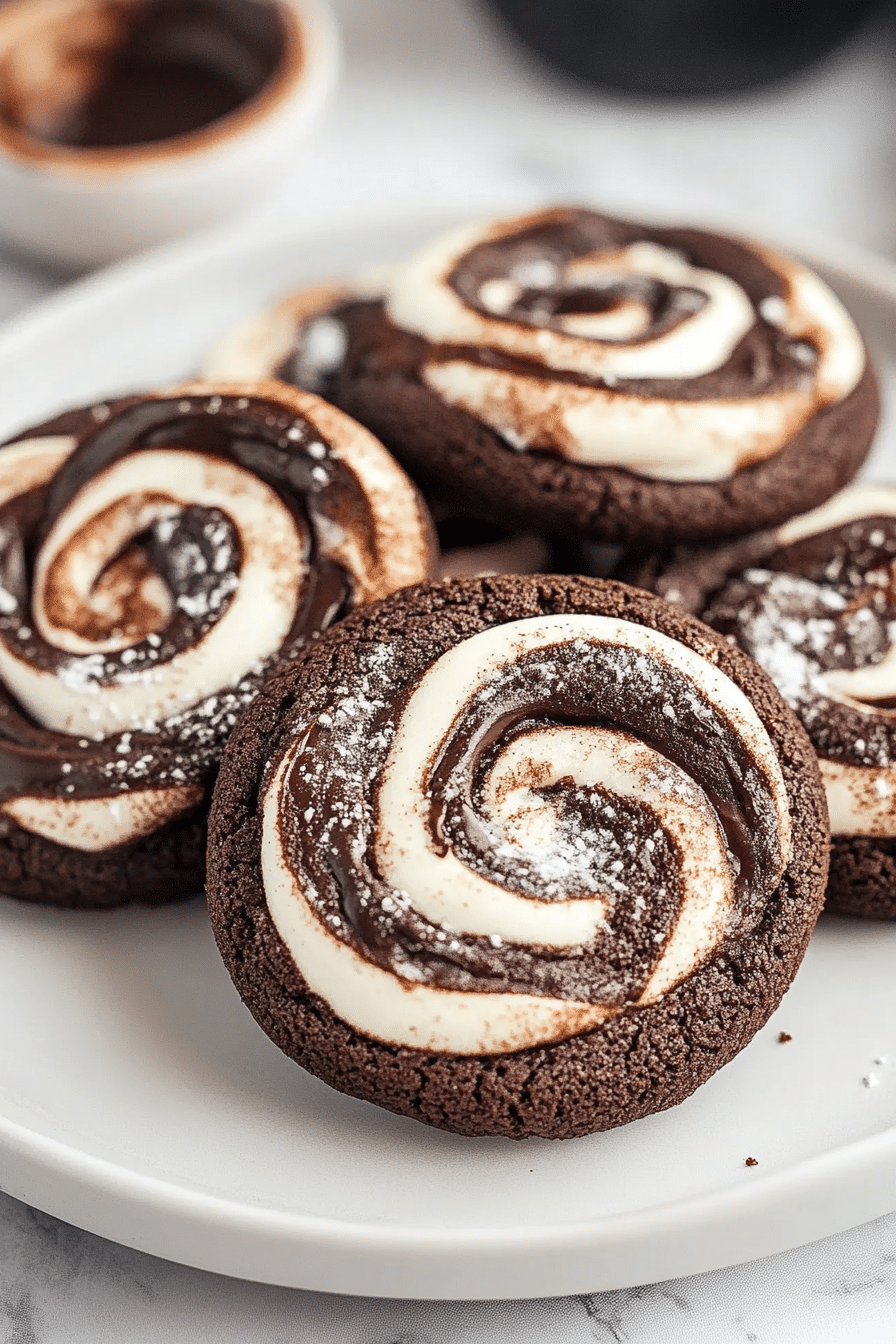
(303, 341)
(579, 373)
(814, 602)
(567, 867)
(160, 557)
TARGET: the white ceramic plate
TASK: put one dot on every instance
(138, 1098)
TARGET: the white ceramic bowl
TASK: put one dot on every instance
(83, 207)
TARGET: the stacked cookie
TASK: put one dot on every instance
(605, 380)
(524, 852)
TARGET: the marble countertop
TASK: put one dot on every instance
(439, 113)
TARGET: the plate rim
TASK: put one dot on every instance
(208, 1231)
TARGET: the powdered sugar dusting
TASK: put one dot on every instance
(548, 844)
(804, 632)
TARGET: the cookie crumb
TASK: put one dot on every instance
(871, 1080)
(879, 1059)
(751, 1162)
(784, 1037)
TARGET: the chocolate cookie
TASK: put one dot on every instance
(571, 372)
(159, 557)
(814, 602)
(303, 341)
(517, 856)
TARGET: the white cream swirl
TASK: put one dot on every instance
(861, 798)
(596, 315)
(516, 819)
(103, 518)
(97, 643)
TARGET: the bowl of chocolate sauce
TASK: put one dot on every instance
(125, 123)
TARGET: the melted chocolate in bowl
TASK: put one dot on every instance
(110, 74)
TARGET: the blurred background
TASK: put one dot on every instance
(447, 109)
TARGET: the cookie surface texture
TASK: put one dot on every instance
(814, 602)
(471, 857)
(159, 557)
(616, 380)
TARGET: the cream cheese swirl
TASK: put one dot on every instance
(676, 354)
(155, 569)
(561, 820)
(818, 612)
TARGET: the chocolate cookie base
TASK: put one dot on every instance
(447, 450)
(160, 869)
(862, 879)
(641, 1061)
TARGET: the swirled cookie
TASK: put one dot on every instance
(160, 556)
(814, 602)
(575, 372)
(519, 856)
(303, 341)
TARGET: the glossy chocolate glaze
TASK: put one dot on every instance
(764, 360)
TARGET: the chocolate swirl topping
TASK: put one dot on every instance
(155, 567)
(819, 616)
(301, 341)
(678, 354)
(814, 603)
(561, 819)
